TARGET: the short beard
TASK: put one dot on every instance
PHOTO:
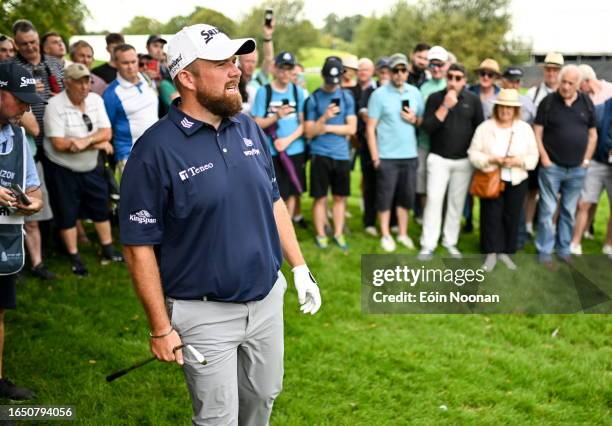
(223, 106)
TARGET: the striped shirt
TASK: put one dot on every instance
(132, 109)
(47, 67)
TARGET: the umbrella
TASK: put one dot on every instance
(285, 160)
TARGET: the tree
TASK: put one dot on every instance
(472, 29)
(292, 31)
(143, 25)
(203, 15)
(64, 16)
(343, 28)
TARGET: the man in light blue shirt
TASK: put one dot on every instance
(279, 111)
(394, 112)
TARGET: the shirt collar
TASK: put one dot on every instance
(126, 84)
(6, 132)
(190, 125)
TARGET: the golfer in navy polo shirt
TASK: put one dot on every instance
(205, 233)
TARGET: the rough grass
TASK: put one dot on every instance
(341, 367)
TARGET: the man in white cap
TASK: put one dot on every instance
(438, 64)
(205, 232)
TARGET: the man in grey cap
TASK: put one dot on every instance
(17, 93)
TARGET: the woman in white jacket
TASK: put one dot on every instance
(504, 141)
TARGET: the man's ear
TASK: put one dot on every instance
(187, 79)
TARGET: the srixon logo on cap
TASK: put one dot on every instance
(27, 81)
(209, 34)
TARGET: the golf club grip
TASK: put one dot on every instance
(123, 372)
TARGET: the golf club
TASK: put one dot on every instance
(198, 356)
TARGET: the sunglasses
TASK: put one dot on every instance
(433, 65)
(398, 70)
(3, 38)
(454, 77)
(88, 122)
(486, 74)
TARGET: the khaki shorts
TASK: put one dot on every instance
(598, 178)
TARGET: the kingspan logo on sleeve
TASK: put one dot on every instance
(142, 217)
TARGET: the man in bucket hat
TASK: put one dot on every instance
(205, 230)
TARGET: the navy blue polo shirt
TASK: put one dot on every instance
(204, 198)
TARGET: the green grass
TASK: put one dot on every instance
(341, 367)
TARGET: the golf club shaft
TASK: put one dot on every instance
(120, 373)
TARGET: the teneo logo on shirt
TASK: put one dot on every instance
(27, 81)
(143, 217)
(196, 170)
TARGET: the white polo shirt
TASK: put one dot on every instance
(64, 120)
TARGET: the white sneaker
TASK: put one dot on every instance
(454, 252)
(394, 229)
(529, 228)
(588, 236)
(490, 262)
(506, 260)
(576, 249)
(425, 255)
(406, 242)
(387, 243)
(371, 230)
(607, 249)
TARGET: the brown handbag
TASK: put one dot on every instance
(489, 185)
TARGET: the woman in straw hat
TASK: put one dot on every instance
(508, 143)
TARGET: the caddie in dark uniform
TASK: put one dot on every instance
(17, 93)
(205, 232)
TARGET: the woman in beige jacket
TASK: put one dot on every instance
(504, 141)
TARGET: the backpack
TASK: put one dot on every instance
(269, 96)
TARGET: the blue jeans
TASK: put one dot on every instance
(553, 180)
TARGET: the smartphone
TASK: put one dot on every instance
(285, 101)
(20, 195)
(336, 101)
(405, 104)
(268, 17)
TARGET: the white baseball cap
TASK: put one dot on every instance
(437, 53)
(203, 41)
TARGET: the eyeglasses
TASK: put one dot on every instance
(433, 65)
(454, 77)
(88, 122)
(486, 74)
(398, 70)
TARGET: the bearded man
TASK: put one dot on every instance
(205, 231)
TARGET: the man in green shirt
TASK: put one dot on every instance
(438, 64)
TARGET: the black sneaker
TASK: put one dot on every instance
(78, 268)
(110, 254)
(40, 271)
(301, 222)
(9, 390)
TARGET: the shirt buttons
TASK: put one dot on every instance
(224, 149)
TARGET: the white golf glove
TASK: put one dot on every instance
(307, 290)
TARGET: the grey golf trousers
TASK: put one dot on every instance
(243, 344)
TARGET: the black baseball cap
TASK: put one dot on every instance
(285, 58)
(332, 70)
(155, 38)
(513, 73)
(18, 81)
(383, 63)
